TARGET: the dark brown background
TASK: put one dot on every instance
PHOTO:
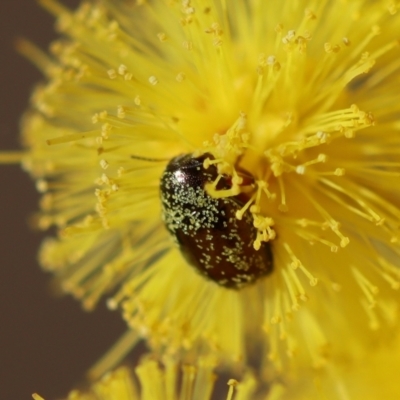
(46, 344)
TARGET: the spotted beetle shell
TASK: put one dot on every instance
(209, 236)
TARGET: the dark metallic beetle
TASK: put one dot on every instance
(206, 229)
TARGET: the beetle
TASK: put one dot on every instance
(210, 237)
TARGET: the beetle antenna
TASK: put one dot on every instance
(135, 157)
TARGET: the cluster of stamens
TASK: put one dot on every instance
(227, 149)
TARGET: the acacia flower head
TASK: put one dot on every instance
(170, 380)
(295, 104)
(152, 380)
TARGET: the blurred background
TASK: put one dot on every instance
(46, 343)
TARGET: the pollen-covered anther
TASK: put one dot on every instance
(300, 169)
(239, 214)
(128, 76)
(346, 41)
(277, 165)
(42, 186)
(162, 37)
(295, 263)
(187, 7)
(153, 80)
(101, 195)
(339, 172)
(263, 223)
(367, 118)
(265, 233)
(255, 209)
(289, 37)
(236, 179)
(112, 73)
(233, 143)
(269, 61)
(103, 180)
(301, 42)
(335, 227)
(122, 69)
(104, 164)
(215, 29)
(120, 171)
(121, 112)
(187, 45)
(349, 133)
(99, 117)
(105, 130)
(262, 187)
(261, 64)
(232, 382)
(310, 15)
(216, 32)
(331, 48)
(103, 114)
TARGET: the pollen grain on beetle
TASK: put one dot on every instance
(297, 104)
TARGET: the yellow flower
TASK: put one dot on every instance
(168, 381)
(152, 380)
(303, 95)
